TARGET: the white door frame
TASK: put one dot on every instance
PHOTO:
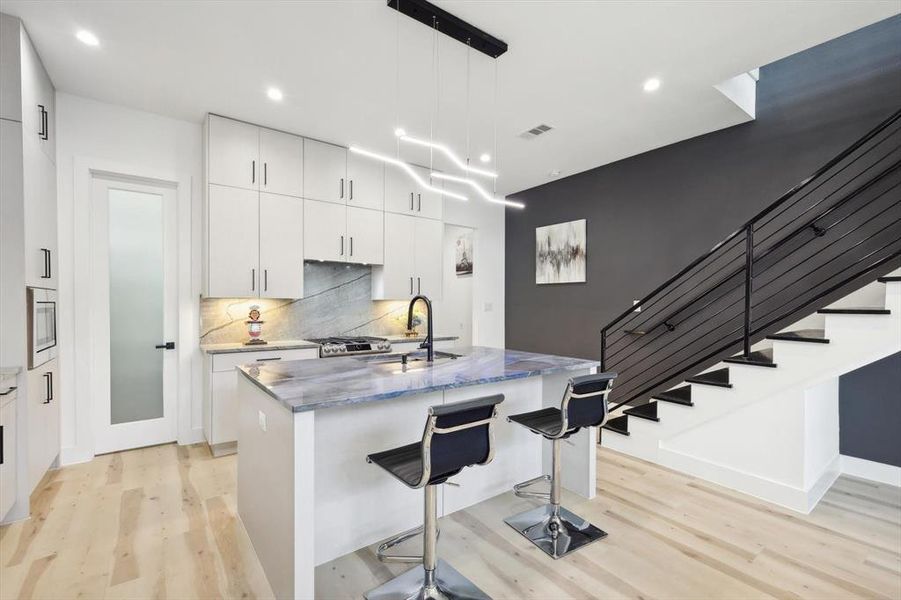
(123, 436)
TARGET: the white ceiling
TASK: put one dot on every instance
(577, 66)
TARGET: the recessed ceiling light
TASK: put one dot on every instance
(651, 85)
(87, 38)
(400, 132)
(275, 94)
(485, 157)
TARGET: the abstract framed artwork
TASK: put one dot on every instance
(560, 253)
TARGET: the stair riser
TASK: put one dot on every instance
(872, 294)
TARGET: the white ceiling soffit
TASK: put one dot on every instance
(576, 66)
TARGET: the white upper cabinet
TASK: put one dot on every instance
(325, 172)
(365, 235)
(233, 265)
(234, 153)
(413, 258)
(281, 246)
(38, 100)
(366, 182)
(427, 249)
(404, 196)
(281, 156)
(396, 279)
(39, 195)
(325, 231)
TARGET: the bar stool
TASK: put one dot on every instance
(456, 435)
(551, 527)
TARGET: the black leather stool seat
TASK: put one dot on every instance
(404, 462)
(546, 422)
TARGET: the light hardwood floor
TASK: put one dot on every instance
(160, 523)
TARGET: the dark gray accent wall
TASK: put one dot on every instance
(870, 411)
(650, 215)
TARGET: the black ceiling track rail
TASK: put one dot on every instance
(434, 17)
(835, 231)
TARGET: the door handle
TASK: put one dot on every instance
(420, 203)
(253, 171)
(47, 273)
(165, 346)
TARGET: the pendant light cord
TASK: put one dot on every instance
(468, 112)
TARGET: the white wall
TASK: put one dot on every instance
(453, 313)
(96, 135)
(488, 272)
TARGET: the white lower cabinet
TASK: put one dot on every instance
(413, 253)
(8, 453)
(220, 401)
(43, 420)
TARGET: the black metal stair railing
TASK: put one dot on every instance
(839, 227)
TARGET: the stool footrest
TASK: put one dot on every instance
(382, 555)
(520, 491)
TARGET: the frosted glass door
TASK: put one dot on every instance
(136, 303)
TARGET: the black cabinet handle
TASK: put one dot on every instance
(253, 280)
(2, 445)
(265, 173)
(46, 125)
(43, 134)
(411, 286)
(265, 280)
(48, 381)
(342, 187)
(47, 273)
(411, 200)
(253, 171)
(342, 246)
(420, 202)
(351, 192)
(267, 359)
(418, 285)
(351, 244)
(165, 346)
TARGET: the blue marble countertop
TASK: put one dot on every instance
(302, 385)
(229, 348)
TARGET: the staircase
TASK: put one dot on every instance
(743, 347)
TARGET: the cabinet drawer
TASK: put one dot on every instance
(228, 362)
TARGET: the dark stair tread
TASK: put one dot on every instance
(680, 395)
(718, 378)
(817, 336)
(618, 425)
(863, 310)
(889, 278)
(758, 358)
(644, 411)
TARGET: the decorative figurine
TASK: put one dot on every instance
(254, 327)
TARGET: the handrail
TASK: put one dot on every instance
(849, 203)
(781, 200)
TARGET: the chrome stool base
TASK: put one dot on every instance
(573, 531)
(449, 585)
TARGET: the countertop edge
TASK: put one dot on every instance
(587, 364)
(305, 345)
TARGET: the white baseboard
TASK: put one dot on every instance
(868, 469)
(74, 455)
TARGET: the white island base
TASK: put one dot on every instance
(306, 494)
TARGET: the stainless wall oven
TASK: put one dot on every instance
(41, 326)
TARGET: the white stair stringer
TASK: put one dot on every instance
(774, 433)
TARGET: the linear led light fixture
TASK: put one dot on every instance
(409, 171)
(447, 152)
(479, 189)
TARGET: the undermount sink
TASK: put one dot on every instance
(409, 357)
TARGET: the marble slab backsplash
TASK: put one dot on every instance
(338, 301)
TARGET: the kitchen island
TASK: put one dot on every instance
(305, 492)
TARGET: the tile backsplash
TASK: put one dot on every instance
(338, 301)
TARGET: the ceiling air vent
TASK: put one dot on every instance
(535, 131)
